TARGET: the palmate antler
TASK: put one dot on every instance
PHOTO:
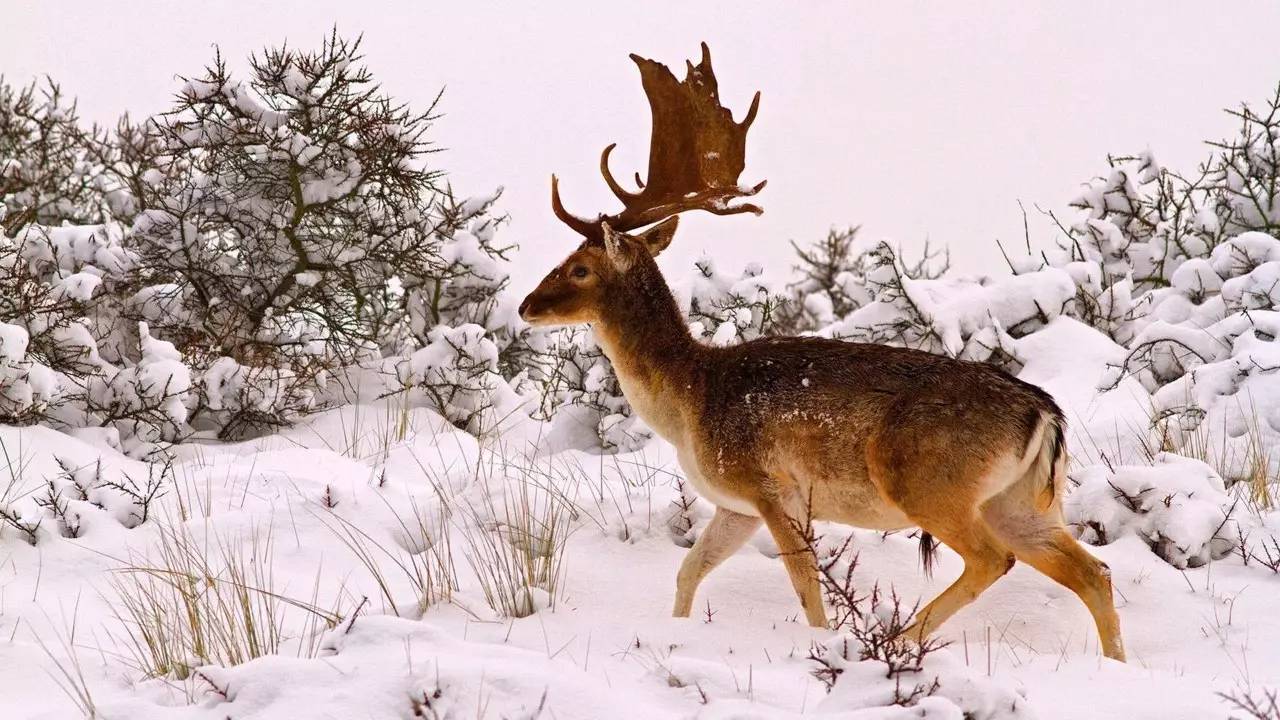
(696, 153)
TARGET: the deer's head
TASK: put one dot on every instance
(696, 153)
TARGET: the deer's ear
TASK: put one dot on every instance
(657, 238)
(618, 247)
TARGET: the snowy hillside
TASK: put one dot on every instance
(277, 443)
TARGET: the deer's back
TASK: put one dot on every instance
(827, 396)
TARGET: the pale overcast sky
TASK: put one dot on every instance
(914, 119)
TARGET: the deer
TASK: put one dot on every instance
(783, 430)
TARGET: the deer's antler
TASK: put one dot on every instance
(696, 153)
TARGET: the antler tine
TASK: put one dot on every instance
(705, 62)
(727, 209)
(623, 195)
(751, 112)
(585, 228)
(715, 201)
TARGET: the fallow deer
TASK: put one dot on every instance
(785, 429)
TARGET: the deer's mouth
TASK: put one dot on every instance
(534, 313)
(527, 311)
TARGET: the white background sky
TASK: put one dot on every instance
(917, 120)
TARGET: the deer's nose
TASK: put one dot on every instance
(524, 308)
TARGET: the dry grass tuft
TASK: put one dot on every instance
(68, 672)
(14, 486)
(516, 545)
(1250, 463)
(207, 601)
(425, 561)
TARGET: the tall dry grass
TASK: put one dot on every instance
(516, 538)
(209, 600)
(424, 559)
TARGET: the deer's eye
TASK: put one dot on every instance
(579, 271)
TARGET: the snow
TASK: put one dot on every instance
(75, 248)
(1243, 253)
(457, 373)
(726, 308)
(1178, 506)
(607, 647)
(24, 383)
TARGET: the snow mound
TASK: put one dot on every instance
(1178, 506)
(946, 688)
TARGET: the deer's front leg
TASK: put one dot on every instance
(798, 558)
(722, 537)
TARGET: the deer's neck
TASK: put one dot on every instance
(644, 335)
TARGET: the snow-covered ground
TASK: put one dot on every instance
(397, 483)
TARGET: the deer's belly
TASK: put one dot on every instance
(850, 498)
(719, 497)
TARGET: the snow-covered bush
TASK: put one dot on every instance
(1245, 175)
(64, 284)
(942, 686)
(60, 290)
(829, 283)
(1146, 243)
(46, 169)
(269, 232)
(830, 279)
(26, 387)
(962, 317)
(1133, 231)
(725, 309)
(576, 384)
(238, 399)
(289, 208)
(74, 501)
(71, 356)
(1181, 270)
(1177, 505)
(144, 400)
(457, 374)
(466, 281)
(131, 159)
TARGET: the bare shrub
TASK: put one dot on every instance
(874, 624)
(1262, 705)
(45, 171)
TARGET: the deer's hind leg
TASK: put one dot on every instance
(722, 537)
(1040, 539)
(942, 494)
(1062, 558)
(985, 561)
